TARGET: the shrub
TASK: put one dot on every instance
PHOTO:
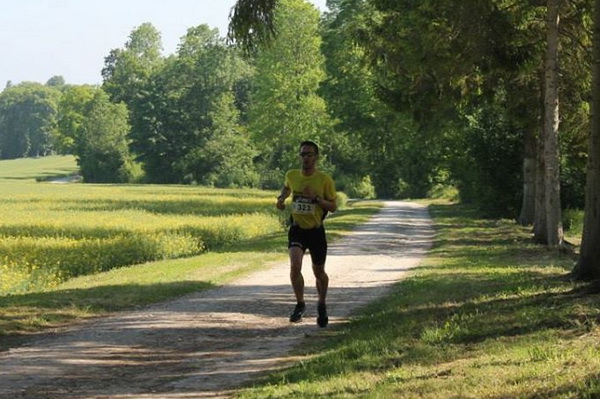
(572, 220)
(356, 187)
(341, 200)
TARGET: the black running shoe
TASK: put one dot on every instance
(298, 312)
(322, 320)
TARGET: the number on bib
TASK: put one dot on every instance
(303, 207)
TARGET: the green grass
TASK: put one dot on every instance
(123, 288)
(38, 168)
(488, 314)
(74, 251)
(50, 233)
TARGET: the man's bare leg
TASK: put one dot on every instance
(322, 282)
(296, 255)
(322, 286)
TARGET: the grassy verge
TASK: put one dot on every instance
(151, 282)
(487, 315)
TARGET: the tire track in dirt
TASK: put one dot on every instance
(206, 344)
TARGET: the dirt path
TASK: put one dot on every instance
(204, 345)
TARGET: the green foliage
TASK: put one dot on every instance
(572, 221)
(356, 187)
(416, 107)
(341, 199)
(71, 116)
(285, 108)
(226, 159)
(575, 92)
(374, 137)
(56, 81)
(360, 118)
(356, 84)
(101, 144)
(251, 23)
(95, 130)
(572, 178)
(27, 114)
(487, 170)
(188, 112)
(444, 191)
(127, 70)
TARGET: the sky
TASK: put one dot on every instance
(40, 39)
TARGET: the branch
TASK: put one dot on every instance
(251, 23)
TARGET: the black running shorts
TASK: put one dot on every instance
(312, 239)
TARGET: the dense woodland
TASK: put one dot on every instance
(491, 98)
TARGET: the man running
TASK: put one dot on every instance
(313, 195)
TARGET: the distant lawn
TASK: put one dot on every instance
(488, 314)
(43, 168)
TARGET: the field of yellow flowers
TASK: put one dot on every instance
(50, 233)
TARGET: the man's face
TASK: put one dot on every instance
(308, 156)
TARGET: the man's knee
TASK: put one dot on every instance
(319, 271)
(295, 269)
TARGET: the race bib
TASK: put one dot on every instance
(303, 206)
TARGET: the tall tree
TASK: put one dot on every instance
(252, 23)
(128, 73)
(397, 162)
(71, 116)
(180, 108)
(27, 113)
(101, 144)
(527, 210)
(443, 62)
(554, 232)
(225, 158)
(285, 107)
(127, 70)
(56, 81)
(588, 265)
(575, 94)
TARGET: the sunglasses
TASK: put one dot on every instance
(307, 154)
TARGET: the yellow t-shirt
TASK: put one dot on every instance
(306, 213)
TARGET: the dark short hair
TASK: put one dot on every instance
(312, 144)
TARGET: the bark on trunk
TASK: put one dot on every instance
(527, 214)
(539, 225)
(588, 265)
(551, 111)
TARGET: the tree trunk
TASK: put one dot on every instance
(588, 265)
(551, 116)
(527, 215)
(540, 226)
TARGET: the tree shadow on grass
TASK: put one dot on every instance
(181, 346)
(588, 387)
(29, 312)
(392, 332)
